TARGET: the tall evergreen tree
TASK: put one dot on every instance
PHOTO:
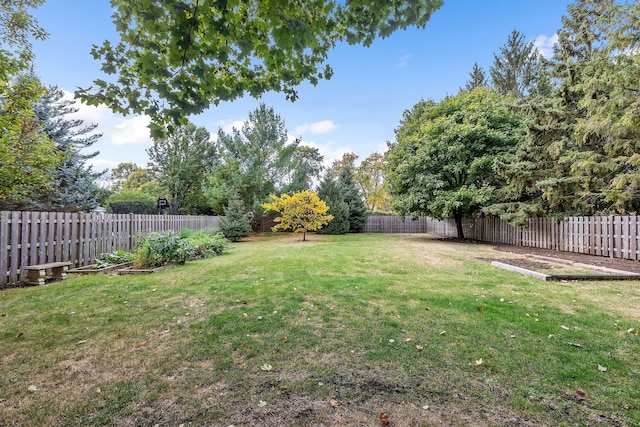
(515, 70)
(331, 194)
(477, 78)
(578, 156)
(73, 187)
(351, 195)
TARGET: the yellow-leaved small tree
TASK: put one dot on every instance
(301, 212)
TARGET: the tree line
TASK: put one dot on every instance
(540, 137)
(534, 136)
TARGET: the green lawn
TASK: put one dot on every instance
(332, 331)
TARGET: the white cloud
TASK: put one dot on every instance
(228, 125)
(328, 151)
(115, 128)
(135, 130)
(321, 127)
(545, 44)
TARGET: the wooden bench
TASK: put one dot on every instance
(36, 274)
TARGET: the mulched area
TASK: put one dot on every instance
(616, 263)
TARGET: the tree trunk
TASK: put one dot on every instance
(458, 217)
(304, 236)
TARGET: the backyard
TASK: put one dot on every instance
(355, 330)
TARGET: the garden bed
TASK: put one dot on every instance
(92, 269)
(131, 270)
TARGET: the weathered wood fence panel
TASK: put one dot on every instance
(29, 238)
(610, 236)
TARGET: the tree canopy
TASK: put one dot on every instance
(442, 164)
(177, 57)
(181, 163)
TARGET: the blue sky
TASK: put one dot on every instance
(357, 110)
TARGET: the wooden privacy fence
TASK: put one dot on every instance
(610, 236)
(28, 238)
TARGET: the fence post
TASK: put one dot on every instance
(132, 233)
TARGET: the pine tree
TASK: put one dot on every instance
(578, 156)
(236, 223)
(330, 193)
(515, 71)
(73, 187)
(477, 78)
(351, 195)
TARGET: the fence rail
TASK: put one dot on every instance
(610, 236)
(28, 238)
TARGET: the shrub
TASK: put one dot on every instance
(208, 245)
(156, 249)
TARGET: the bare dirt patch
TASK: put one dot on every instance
(616, 263)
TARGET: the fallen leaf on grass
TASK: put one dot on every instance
(284, 339)
(479, 362)
(602, 368)
(32, 388)
(565, 328)
(334, 403)
(630, 330)
(384, 418)
(480, 308)
(262, 404)
(419, 347)
(574, 344)
(266, 367)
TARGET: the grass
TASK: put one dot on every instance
(332, 331)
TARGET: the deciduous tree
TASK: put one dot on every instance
(181, 162)
(177, 57)
(301, 212)
(370, 175)
(442, 164)
(28, 156)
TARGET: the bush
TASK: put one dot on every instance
(157, 249)
(208, 244)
